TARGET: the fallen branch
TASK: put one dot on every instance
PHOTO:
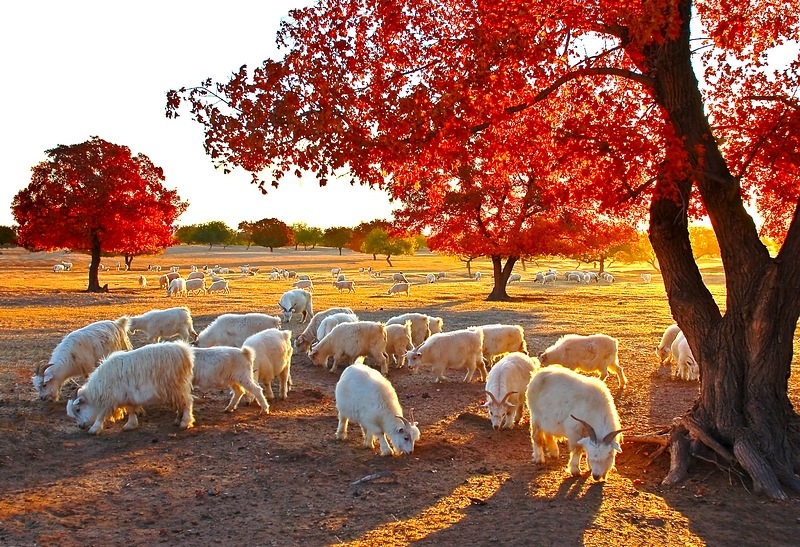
(647, 439)
(376, 476)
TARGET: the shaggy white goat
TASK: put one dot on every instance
(597, 352)
(367, 398)
(350, 340)
(231, 329)
(398, 342)
(272, 359)
(78, 354)
(499, 339)
(162, 324)
(505, 389)
(127, 380)
(565, 404)
(664, 349)
(420, 326)
(456, 349)
(398, 288)
(296, 301)
(177, 287)
(309, 335)
(223, 366)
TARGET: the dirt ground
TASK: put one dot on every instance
(282, 478)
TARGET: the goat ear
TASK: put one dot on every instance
(585, 442)
(615, 445)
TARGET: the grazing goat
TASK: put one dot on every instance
(347, 341)
(366, 397)
(309, 335)
(596, 352)
(505, 389)
(231, 329)
(272, 349)
(296, 301)
(162, 324)
(565, 404)
(223, 366)
(127, 380)
(78, 354)
(456, 349)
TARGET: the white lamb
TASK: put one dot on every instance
(500, 339)
(221, 367)
(142, 280)
(272, 359)
(505, 389)
(686, 365)
(78, 354)
(456, 349)
(664, 349)
(565, 404)
(163, 324)
(177, 287)
(309, 335)
(350, 286)
(398, 342)
(347, 341)
(398, 288)
(597, 352)
(219, 286)
(296, 301)
(330, 322)
(231, 329)
(127, 380)
(366, 397)
(420, 326)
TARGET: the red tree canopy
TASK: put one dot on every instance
(96, 197)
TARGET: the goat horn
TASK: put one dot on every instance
(610, 437)
(405, 421)
(489, 393)
(506, 396)
(411, 415)
(592, 434)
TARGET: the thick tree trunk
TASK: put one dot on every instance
(128, 261)
(340, 251)
(389, 261)
(94, 266)
(602, 264)
(501, 275)
(745, 355)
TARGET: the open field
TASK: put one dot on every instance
(282, 479)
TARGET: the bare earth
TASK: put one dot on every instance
(282, 478)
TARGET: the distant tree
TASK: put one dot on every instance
(598, 240)
(91, 197)
(8, 236)
(245, 233)
(305, 235)
(360, 232)
(704, 242)
(639, 250)
(337, 237)
(213, 233)
(271, 233)
(185, 234)
(378, 241)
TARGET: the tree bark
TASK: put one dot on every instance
(501, 275)
(745, 355)
(94, 266)
(129, 261)
(389, 261)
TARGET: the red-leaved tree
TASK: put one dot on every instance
(381, 88)
(99, 198)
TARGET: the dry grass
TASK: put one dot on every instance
(284, 479)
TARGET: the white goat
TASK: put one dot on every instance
(196, 275)
(78, 354)
(195, 286)
(350, 340)
(565, 404)
(420, 326)
(597, 352)
(686, 365)
(398, 342)
(457, 349)
(231, 329)
(330, 322)
(342, 285)
(399, 277)
(272, 359)
(304, 284)
(505, 389)
(162, 324)
(646, 277)
(296, 301)
(499, 339)
(574, 277)
(478, 276)
(430, 278)
(514, 277)
(127, 380)
(664, 349)
(221, 367)
(435, 324)
(398, 288)
(366, 397)
(142, 280)
(219, 286)
(177, 287)
(309, 335)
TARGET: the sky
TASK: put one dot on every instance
(81, 68)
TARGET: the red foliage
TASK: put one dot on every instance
(96, 196)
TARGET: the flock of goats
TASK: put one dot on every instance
(244, 352)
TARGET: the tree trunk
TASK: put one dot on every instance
(374, 256)
(469, 268)
(389, 261)
(602, 264)
(94, 266)
(128, 261)
(340, 251)
(744, 355)
(501, 275)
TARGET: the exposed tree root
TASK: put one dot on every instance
(764, 479)
(679, 454)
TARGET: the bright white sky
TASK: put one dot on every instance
(78, 68)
